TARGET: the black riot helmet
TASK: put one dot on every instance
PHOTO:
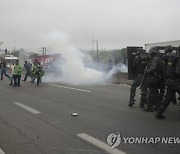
(168, 49)
(138, 51)
(153, 51)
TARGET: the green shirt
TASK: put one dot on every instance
(17, 69)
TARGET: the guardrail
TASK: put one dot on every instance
(121, 78)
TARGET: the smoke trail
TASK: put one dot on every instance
(72, 66)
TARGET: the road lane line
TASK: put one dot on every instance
(69, 88)
(27, 108)
(99, 144)
(1, 151)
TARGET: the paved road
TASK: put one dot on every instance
(38, 120)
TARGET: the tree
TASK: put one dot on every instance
(16, 53)
(124, 53)
(33, 55)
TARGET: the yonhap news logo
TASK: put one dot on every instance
(114, 140)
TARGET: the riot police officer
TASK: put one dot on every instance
(173, 85)
(153, 75)
(168, 60)
(139, 65)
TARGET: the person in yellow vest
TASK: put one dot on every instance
(17, 73)
(37, 72)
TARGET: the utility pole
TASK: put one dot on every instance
(92, 44)
(44, 50)
(97, 51)
(14, 45)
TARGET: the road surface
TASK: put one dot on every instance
(38, 120)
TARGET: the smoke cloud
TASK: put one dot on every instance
(73, 68)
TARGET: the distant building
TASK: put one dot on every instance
(175, 43)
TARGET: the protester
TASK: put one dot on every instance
(37, 72)
(3, 71)
(17, 73)
(28, 68)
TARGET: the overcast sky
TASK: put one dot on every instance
(114, 23)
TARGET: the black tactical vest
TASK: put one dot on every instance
(170, 66)
(141, 63)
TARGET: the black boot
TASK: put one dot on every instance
(149, 108)
(142, 102)
(131, 102)
(141, 106)
(160, 116)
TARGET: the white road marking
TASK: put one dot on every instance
(1, 151)
(27, 108)
(99, 144)
(69, 88)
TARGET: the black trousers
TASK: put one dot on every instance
(153, 95)
(28, 73)
(17, 80)
(38, 80)
(3, 72)
(136, 83)
(173, 86)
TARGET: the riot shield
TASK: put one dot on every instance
(131, 53)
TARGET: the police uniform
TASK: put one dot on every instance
(173, 85)
(168, 60)
(139, 65)
(153, 76)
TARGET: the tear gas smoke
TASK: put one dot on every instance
(72, 65)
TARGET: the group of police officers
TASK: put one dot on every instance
(158, 75)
